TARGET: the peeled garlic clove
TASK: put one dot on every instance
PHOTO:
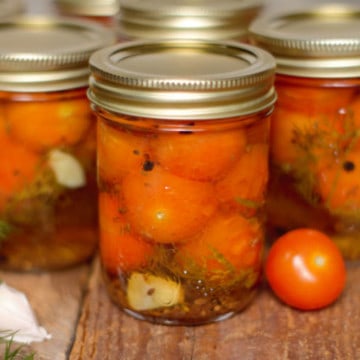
(146, 292)
(17, 319)
(67, 169)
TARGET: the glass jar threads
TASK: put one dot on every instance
(48, 198)
(315, 143)
(179, 19)
(182, 171)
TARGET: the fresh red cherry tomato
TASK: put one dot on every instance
(305, 269)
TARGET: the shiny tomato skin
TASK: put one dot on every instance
(305, 269)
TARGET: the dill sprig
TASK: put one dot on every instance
(13, 351)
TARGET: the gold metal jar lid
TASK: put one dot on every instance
(182, 79)
(319, 42)
(11, 8)
(40, 54)
(89, 7)
(187, 19)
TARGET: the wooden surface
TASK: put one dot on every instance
(56, 299)
(74, 307)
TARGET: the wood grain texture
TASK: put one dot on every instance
(56, 299)
(265, 330)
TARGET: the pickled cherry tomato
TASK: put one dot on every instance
(18, 167)
(111, 209)
(44, 125)
(167, 208)
(199, 156)
(286, 123)
(120, 248)
(244, 186)
(293, 132)
(229, 243)
(316, 97)
(119, 152)
(338, 183)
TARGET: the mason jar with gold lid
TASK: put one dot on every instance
(48, 198)
(315, 138)
(179, 19)
(102, 11)
(182, 173)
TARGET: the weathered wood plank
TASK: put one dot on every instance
(56, 299)
(265, 330)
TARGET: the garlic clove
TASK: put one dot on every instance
(67, 169)
(18, 320)
(146, 292)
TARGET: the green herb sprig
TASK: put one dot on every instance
(11, 350)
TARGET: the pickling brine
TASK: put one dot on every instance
(181, 216)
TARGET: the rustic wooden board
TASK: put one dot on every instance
(56, 300)
(265, 330)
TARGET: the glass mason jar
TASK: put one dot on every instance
(182, 170)
(315, 137)
(48, 198)
(102, 11)
(179, 19)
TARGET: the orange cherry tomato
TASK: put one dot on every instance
(167, 208)
(119, 151)
(199, 156)
(286, 122)
(228, 244)
(339, 184)
(43, 125)
(18, 167)
(243, 188)
(120, 248)
(295, 134)
(305, 269)
(314, 95)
